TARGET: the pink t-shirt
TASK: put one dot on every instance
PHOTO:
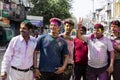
(70, 44)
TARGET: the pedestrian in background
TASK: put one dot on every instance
(53, 53)
(80, 56)
(68, 27)
(98, 45)
(36, 33)
(115, 27)
(19, 55)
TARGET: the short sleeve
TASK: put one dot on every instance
(110, 45)
(39, 42)
(65, 49)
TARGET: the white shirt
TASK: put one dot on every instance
(97, 51)
(19, 54)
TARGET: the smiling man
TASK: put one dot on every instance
(98, 45)
(19, 55)
(53, 49)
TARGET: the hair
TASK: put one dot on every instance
(116, 22)
(27, 24)
(84, 28)
(69, 21)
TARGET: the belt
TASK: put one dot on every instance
(23, 70)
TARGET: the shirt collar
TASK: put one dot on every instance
(21, 38)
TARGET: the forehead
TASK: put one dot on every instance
(22, 25)
(98, 29)
(113, 25)
(53, 24)
(68, 24)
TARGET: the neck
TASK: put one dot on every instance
(54, 34)
(67, 33)
(67, 36)
(99, 37)
(26, 38)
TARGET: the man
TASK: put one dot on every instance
(19, 55)
(68, 27)
(98, 45)
(80, 56)
(53, 53)
(115, 27)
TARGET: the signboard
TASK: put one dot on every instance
(38, 23)
(6, 10)
(17, 12)
(36, 20)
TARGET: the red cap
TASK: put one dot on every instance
(99, 26)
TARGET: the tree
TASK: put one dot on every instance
(51, 8)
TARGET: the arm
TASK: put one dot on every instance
(36, 70)
(6, 59)
(35, 60)
(65, 62)
(111, 58)
(110, 68)
(78, 34)
(62, 68)
(111, 52)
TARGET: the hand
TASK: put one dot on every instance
(60, 70)
(3, 75)
(80, 23)
(37, 73)
(110, 69)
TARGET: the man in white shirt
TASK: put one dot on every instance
(98, 45)
(19, 55)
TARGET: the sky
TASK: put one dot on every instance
(80, 8)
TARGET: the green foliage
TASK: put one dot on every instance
(51, 8)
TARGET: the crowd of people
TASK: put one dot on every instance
(62, 57)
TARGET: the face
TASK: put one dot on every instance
(114, 28)
(24, 30)
(68, 27)
(82, 31)
(54, 28)
(98, 32)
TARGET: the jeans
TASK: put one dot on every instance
(50, 76)
(94, 73)
(80, 71)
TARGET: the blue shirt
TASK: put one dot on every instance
(52, 51)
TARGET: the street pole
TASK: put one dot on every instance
(93, 11)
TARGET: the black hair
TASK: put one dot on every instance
(116, 22)
(28, 24)
(84, 28)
